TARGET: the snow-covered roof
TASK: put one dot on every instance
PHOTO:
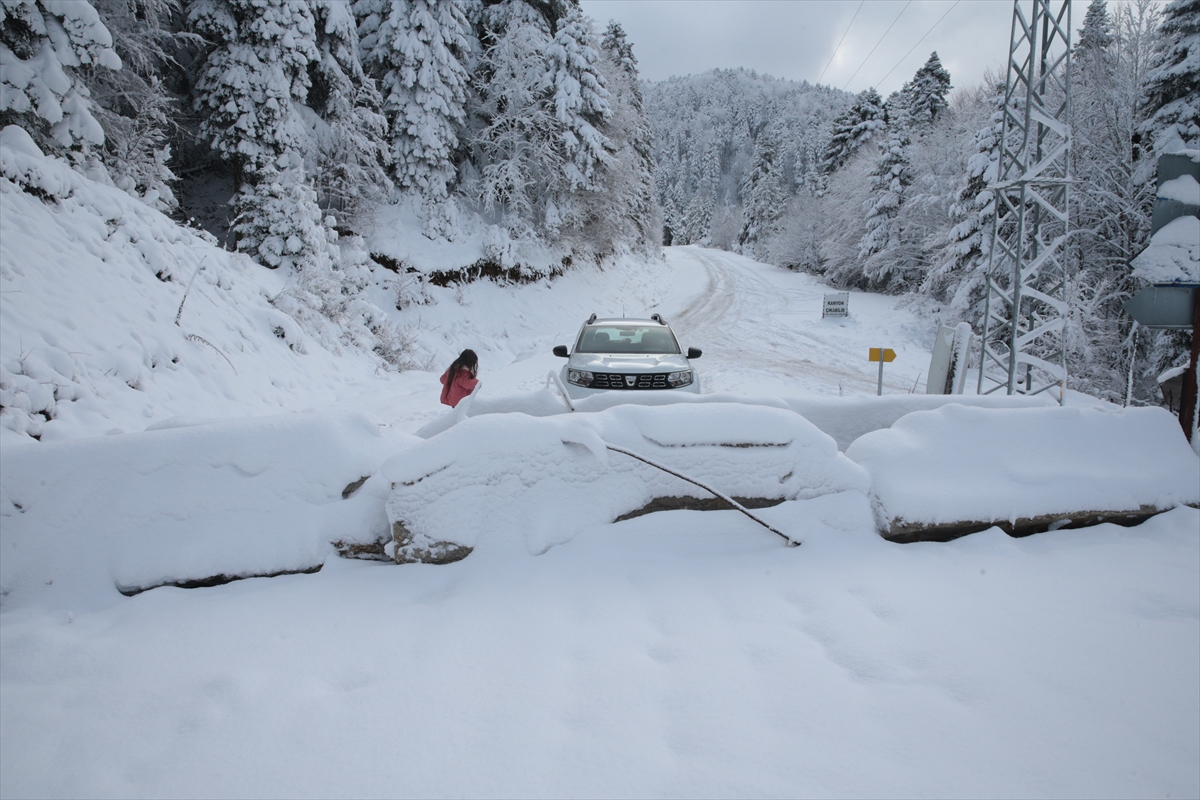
(1173, 255)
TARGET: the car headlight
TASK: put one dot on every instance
(677, 379)
(579, 377)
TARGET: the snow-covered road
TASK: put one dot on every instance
(762, 331)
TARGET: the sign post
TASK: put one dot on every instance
(1171, 263)
(881, 354)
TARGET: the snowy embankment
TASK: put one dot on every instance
(96, 335)
(680, 652)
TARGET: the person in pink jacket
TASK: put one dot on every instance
(459, 380)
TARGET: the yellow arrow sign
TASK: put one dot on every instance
(883, 354)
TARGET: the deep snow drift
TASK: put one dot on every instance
(675, 653)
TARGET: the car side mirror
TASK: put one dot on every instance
(561, 351)
(693, 352)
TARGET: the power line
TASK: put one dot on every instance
(881, 38)
(839, 44)
(914, 47)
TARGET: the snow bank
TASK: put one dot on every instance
(83, 519)
(1173, 255)
(495, 479)
(961, 465)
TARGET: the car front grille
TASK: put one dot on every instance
(613, 380)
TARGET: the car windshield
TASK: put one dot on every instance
(626, 339)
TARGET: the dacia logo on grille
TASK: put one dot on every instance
(630, 380)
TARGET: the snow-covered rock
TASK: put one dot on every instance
(955, 466)
(83, 520)
(497, 479)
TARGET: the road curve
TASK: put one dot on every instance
(761, 326)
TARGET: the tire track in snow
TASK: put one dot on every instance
(739, 319)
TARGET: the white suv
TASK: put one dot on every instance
(623, 354)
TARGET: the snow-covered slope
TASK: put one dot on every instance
(92, 335)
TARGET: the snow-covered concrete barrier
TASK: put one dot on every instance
(82, 522)
(944, 473)
(498, 479)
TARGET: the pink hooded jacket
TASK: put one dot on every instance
(462, 385)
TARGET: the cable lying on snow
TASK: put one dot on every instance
(791, 542)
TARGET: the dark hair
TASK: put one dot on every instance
(466, 360)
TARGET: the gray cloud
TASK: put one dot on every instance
(796, 38)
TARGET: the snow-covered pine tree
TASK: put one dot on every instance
(578, 214)
(1173, 85)
(697, 220)
(701, 215)
(257, 69)
(627, 204)
(889, 259)
(1095, 37)
(959, 278)
(417, 50)
(43, 45)
(352, 156)
(924, 97)
(853, 128)
(580, 98)
(280, 224)
(519, 145)
(763, 197)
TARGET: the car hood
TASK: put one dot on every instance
(628, 362)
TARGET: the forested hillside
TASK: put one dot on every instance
(892, 194)
(281, 124)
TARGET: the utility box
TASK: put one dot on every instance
(948, 366)
(836, 305)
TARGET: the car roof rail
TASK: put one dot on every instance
(658, 318)
(592, 318)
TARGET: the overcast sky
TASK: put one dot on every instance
(797, 38)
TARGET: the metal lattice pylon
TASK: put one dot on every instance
(1025, 312)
